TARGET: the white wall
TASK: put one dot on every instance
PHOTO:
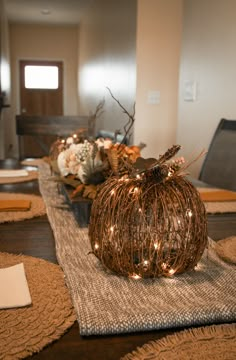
(208, 59)
(159, 28)
(107, 46)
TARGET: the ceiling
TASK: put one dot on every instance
(60, 12)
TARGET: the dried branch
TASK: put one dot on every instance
(99, 108)
(98, 111)
(131, 120)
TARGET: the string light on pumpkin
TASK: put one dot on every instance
(189, 213)
(171, 271)
(156, 245)
(164, 266)
(136, 276)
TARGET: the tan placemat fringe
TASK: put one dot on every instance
(209, 342)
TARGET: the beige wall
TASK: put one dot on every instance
(107, 46)
(208, 59)
(37, 42)
(5, 115)
(159, 30)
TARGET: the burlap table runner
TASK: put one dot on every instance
(210, 342)
(37, 207)
(26, 330)
(108, 304)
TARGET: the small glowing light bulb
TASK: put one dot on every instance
(74, 136)
(189, 213)
(112, 228)
(171, 271)
(138, 176)
(145, 262)
(135, 276)
(140, 210)
(156, 245)
(135, 189)
(63, 141)
(96, 246)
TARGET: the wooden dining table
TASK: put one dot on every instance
(34, 237)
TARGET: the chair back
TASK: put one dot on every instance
(37, 133)
(219, 166)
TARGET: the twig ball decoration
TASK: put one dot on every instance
(143, 227)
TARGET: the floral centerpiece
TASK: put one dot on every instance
(85, 163)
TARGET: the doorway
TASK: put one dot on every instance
(41, 94)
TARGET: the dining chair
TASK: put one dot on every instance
(37, 133)
(219, 166)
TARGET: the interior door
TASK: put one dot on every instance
(39, 96)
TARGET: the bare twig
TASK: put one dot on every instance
(131, 120)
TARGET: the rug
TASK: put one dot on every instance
(32, 175)
(37, 207)
(109, 304)
(27, 330)
(211, 342)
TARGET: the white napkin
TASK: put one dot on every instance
(14, 290)
(13, 173)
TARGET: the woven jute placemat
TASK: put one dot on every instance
(218, 200)
(24, 331)
(37, 207)
(226, 249)
(34, 162)
(32, 175)
(210, 342)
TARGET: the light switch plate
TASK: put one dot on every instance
(153, 97)
(190, 90)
